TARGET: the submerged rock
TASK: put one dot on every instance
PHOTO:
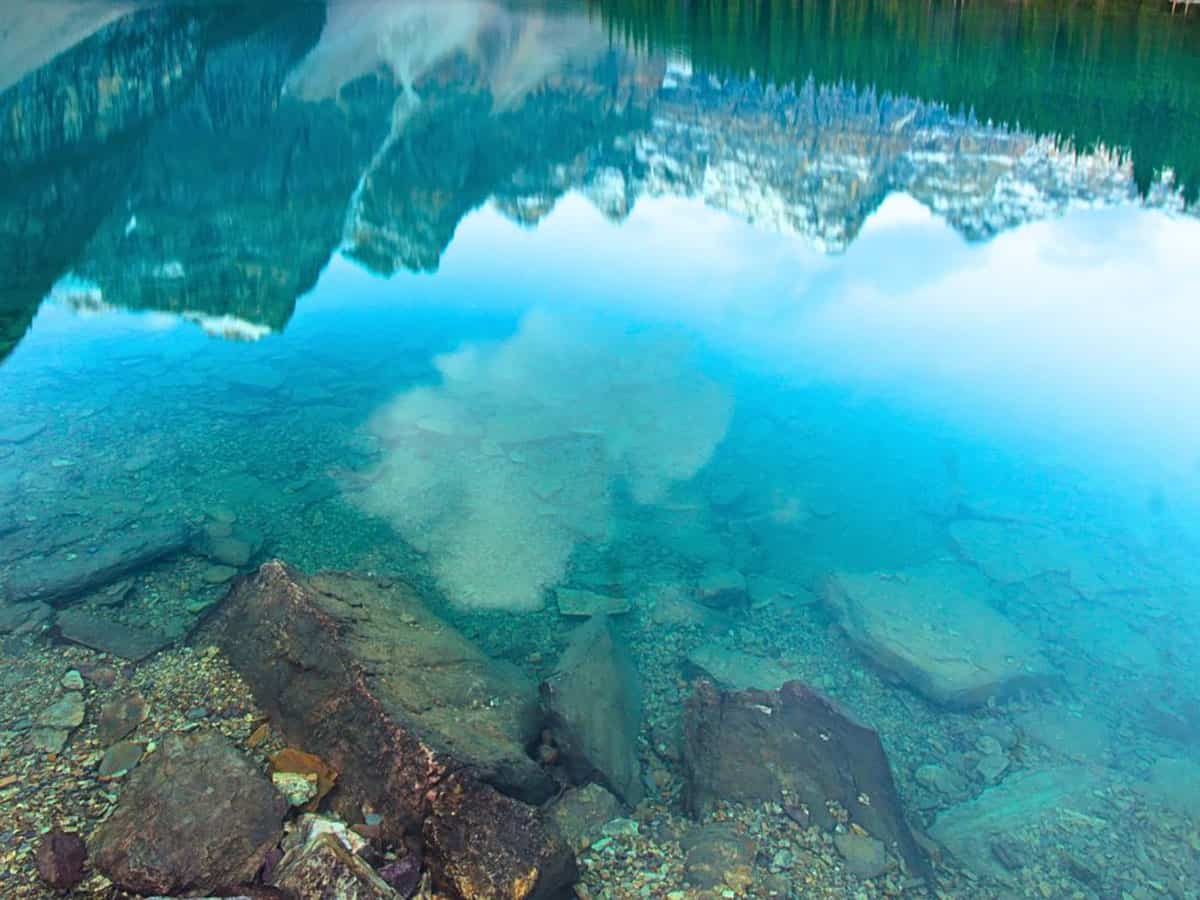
(579, 812)
(58, 578)
(417, 721)
(483, 844)
(67, 712)
(722, 588)
(119, 760)
(973, 830)
(326, 868)
(864, 856)
(578, 602)
(230, 552)
(110, 636)
(48, 740)
(796, 745)
(60, 859)
(738, 670)
(403, 875)
(933, 628)
(297, 789)
(718, 856)
(942, 779)
(594, 711)
(119, 717)
(290, 764)
(197, 816)
(20, 618)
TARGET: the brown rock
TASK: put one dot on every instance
(393, 698)
(756, 745)
(120, 717)
(196, 816)
(480, 843)
(60, 859)
(258, 735)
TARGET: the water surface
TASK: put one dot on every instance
(624, 297)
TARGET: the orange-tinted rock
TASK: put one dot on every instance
(298, 762)
(483, 844)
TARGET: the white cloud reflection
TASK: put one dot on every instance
(1078, 331)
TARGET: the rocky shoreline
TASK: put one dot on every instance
(334, 735)
(391, 757)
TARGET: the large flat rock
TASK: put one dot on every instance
(1016, 551)
(796, 746)
(197, 817)
(67, 573)
(1011, 812)
(109, 636)
(934, 628)
(737, 669)
(359, 671)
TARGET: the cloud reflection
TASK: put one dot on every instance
(501, 468)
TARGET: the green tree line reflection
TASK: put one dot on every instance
(1122, 74)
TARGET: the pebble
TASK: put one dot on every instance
(65, 713)
(73, 680)
(864, 855)
(120, 759)
(297, 789)
(217, 574)
(988, 745)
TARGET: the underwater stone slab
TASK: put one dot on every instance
(722, 587)
(1023, 799)
(933, 628)
(20, 432)
(1081, 738)
(738, 670)
(1011, 552)
(197, 816)
(594, 712)
(579, 602)
(408, 711)
(59, 578)
(18, 618)
(756, 745)
(108, 636)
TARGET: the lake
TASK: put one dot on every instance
(598, 401)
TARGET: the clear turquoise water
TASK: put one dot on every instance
(581, 316)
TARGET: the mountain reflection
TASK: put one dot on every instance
(208, 160)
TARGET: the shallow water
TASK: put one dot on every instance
(515, 301)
